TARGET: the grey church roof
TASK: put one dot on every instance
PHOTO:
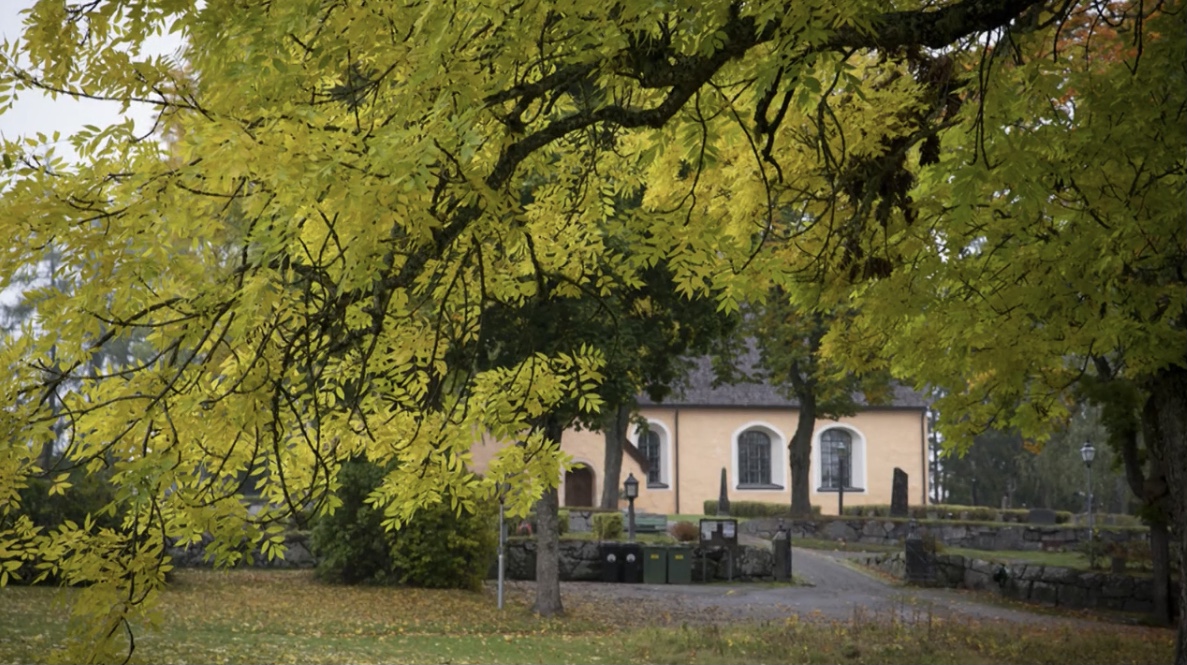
(698, 390)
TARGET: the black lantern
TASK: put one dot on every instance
(630, 487)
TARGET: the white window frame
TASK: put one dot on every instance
(665, 451)
(778, 457)
(858, 468)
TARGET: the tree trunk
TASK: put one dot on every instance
(800, 456)
(548, 577)
(1160, 555)
(1168, 394)
(615, 429)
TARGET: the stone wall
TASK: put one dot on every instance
(978, 536)
(297, 554)
(1052, 585)
(581, 561)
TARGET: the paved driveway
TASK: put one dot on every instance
(836, 590)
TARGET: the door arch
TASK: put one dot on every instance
(579, 486)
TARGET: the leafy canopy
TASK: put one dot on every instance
(335, 203)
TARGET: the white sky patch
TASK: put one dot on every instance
(35, 112)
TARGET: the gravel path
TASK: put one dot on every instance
(834, 590)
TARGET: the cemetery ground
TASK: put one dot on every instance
(839, 616)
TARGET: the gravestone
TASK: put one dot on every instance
(898, 494)
(723, 499)
(920, 563)
(1041, 516)
(781, 548)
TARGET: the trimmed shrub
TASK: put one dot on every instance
(685, 532)
(754, 509)
(438, 548)
(562, 521)
(945, 511)
(607, 526)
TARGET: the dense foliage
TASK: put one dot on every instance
(438, 548)
(353, 206)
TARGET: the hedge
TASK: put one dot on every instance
(955, 512)
(754, 509)
(607, 526)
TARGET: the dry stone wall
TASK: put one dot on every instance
(971, 535)
(1052, 585)
(581, 561)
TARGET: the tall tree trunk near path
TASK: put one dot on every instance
(615, 430)
(1168, 392)
(800, 456)
(548, 577)
(1156, 497)
(1160, 556)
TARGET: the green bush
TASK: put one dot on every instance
(351, 545)
(562, 522)
(754, 509)
(607, 526)
(88, 495)
(438, 548)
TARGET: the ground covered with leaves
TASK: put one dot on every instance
(288, 617)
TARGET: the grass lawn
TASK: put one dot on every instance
(696, 519)
(287, 616)
(645, 538)
(1072, 560)
(837, 546)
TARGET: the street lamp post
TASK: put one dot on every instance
(842, 451)
(1088, 453)
(503, 489)
(631, 490)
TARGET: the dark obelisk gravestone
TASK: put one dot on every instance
(898, 494)
(723, 501)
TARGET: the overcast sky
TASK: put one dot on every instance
(35, 112)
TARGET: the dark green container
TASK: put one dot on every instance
(655, 565)
(680, 565)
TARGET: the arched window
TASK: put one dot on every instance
(836, 459)
(754, 458)
(649, 445)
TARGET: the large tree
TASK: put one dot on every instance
(367, 161)
(1048, 247)
(789, 340)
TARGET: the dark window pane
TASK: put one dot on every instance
(831, 442)
(650, 449)
(754, 458)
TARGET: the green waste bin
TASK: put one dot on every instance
(655, 565)
(680, 565)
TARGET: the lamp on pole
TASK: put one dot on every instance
(1088, 453)
(630, 488)
(842, 451)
